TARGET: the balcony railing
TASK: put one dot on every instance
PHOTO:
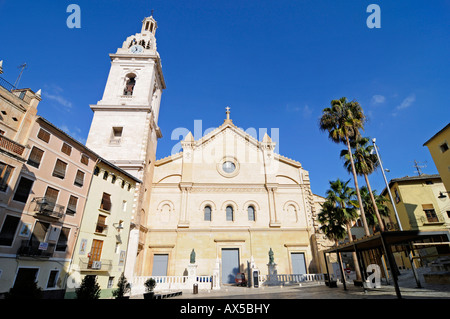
(432, 220)
(11, 146)
(21, 94)
(101, 228)
(47, 208)
(33, 249)
(95, 265)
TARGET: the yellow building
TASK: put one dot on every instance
(419, 203)
(102, 243)
(439, 146)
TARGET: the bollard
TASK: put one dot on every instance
(195, 289)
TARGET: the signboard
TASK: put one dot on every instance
(43, 246)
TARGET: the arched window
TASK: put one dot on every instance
(207, 213)
(96, 171)
(229, 213)
(129, 87)
(251, 213)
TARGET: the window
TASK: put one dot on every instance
(96, 170)
(110, 282)
(129, 87)
(5, 174)
(116, 135)
(448, 213)
(63, 239)
(35, 157)
(9, 230)
(117, 132)
(51, 195)
(60, 169)
(105, 175)
(84, 159)
(23, 190)
(44, 135)
(229, 213)
(79, 179)
(66, 149)
(52, 278)
(430, 213)
(113, 179)
(228, 167)
(251, 213)
(444, 147)
(106, 202)
(124, 206)
(101, 224)
(207, 213)
(72, 205)
(397, 196)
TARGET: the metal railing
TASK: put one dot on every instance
(33, 249)
(95, 265)
(20, 93)
(11, 146)
(47, 208)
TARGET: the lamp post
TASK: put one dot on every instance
(387, 184)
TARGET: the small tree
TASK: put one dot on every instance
(24, 288)
(89, 288)
(123, 286)
(149, 284)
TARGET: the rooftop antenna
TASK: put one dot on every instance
(418, 167)
(22, 67)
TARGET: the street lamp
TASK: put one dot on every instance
(387, 184)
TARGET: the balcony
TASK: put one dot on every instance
(86, 264)
(11, 146)
(44, 207)
(436, 219)
(101, 229)
(33, 249)
(21, 94)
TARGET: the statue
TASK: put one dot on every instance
(192, 256)
(271, 256)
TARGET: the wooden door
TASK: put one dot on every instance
(96, 251)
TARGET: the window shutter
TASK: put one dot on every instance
(60, 169)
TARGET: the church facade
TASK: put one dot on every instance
(227, 197)
(230, 197)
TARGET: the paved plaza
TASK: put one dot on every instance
(407, 286)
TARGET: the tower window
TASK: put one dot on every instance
(129, 87)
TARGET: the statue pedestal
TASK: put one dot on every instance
(273, 274)
(192, 273)
(216, 276)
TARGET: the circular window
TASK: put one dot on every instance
(228, 167)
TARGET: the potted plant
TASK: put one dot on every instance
(123, 287)
(149, 284)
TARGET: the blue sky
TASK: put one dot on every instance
(277, 64)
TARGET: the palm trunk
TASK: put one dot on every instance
(380, 222)
(361, 207)
(355, 258)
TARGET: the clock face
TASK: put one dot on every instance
(136, 49)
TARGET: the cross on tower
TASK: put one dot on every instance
(228, 112)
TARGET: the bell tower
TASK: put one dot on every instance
(124, 128)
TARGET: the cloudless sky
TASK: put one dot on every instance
(277, 64)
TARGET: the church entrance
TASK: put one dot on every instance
(298, 263)
(230, 265)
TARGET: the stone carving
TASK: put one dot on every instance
(192, 257)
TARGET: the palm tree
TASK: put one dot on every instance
(333, 224)
(365, 163)
(371, 214)
(343, 120)
(331, 219)
(341, 195)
